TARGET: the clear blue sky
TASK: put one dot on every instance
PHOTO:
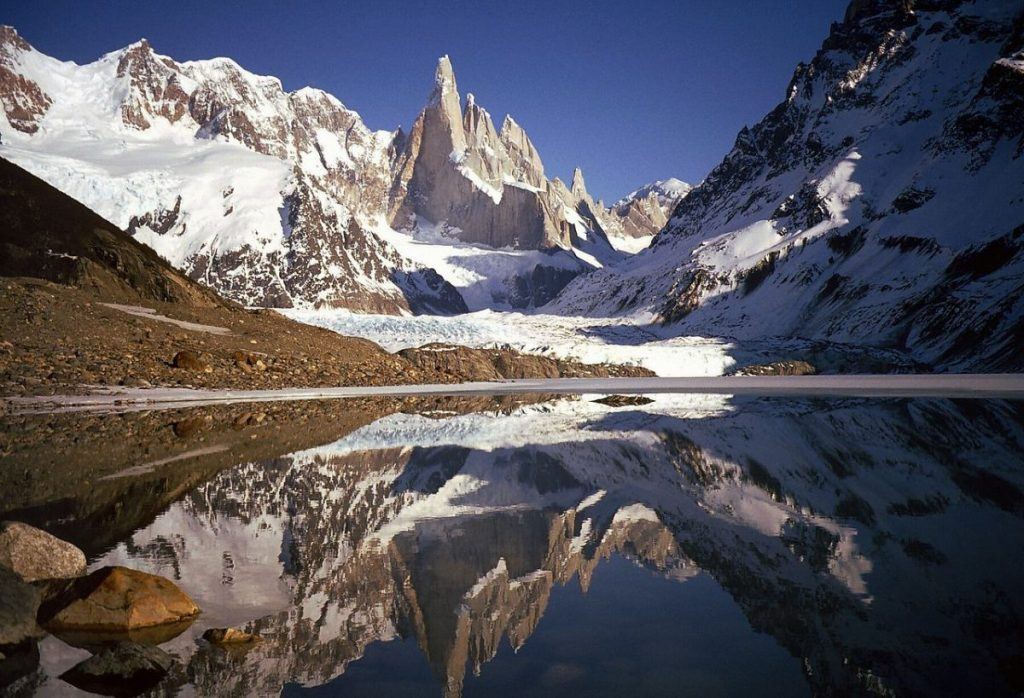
(629, 91)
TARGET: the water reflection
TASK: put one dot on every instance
(876, 546)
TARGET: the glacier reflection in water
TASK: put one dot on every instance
(698, 545)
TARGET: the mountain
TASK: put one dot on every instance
(277, 198)
(880, 203)
(48, 235)
(83, 303)
(636, 217)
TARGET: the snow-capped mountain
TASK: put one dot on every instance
(636, 217)
(882, 202)
(280, 198)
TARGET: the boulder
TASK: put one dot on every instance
(34, 554)
(18, 604)
(115, 599)
(229, 636)
(125, 669)
(17, 662)
(191, 361)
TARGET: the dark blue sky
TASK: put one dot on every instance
(630, 91)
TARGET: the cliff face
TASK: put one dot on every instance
(486, 186)
(878, 203)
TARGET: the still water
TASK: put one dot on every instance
(695, 545)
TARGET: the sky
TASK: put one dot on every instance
(629, 91)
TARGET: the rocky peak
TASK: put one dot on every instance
(479, 127)
(578, 186)
(155, 86)
(524, 158)
(444, 80)
(457, 169)
(443, 116)
(24, 102)
(11, 40)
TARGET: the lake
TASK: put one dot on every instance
(538, 545)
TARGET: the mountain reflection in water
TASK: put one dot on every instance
(470, 546)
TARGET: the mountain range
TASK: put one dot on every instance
(879, 204)
(285, 199)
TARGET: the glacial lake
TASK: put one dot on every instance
(543, 546)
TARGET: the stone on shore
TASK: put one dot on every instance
(34, 554)
(115, 599)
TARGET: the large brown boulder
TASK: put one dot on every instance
(191, 361)
(115, 599)
(34, 554)
(125, 669)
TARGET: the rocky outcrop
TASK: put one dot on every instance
(24, 101)
(229, 636)
(115, 599)
(501, 364)
(34, 554)
(778, 368)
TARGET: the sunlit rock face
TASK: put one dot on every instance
(826, 522)
(876, 204)
(458, 169)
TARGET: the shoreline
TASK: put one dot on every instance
(1009, 386)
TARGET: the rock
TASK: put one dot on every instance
(191, 361)
(185, 428)
(778, 368)
(229, 636)
(135, 382)
(126, 669)
(115, 599)
(18, 661)
(35, 554)
(624, 400)
(18, 603)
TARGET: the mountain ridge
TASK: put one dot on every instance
(860, 208)
(309, 197)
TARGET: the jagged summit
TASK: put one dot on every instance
(444, 80)
(578, 187)
(490, 186)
